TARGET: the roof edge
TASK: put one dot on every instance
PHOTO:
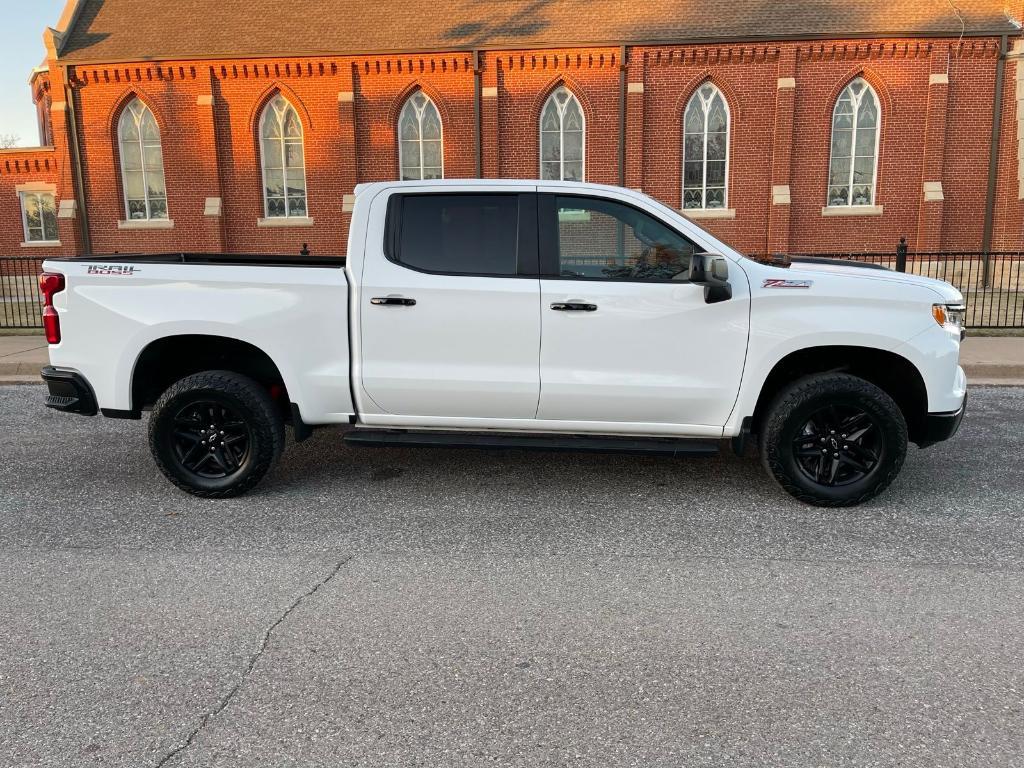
(68, 18)
(540, 46)
(36, 72)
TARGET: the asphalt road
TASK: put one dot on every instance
(459, 608)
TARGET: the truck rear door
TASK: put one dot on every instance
(449, 306)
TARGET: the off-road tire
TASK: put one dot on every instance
(790, 411)
(244, 397)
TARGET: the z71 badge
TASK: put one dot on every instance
(112, 269)
(780, 283)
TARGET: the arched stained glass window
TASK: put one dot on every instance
(284, 163)
(562, 137)
(420, 139)
(142, 163)
(853, 166)
(706, 149)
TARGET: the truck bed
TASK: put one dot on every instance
(120, 309)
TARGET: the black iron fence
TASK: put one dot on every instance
(20, 305)
(992, 283)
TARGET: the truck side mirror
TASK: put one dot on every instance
(711, 271)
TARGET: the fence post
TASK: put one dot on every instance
(901, 255)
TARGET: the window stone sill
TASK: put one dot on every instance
(285, 221)
(146, 224)
(851, 210)
(709, 213)
(41, 244)
(36, 186)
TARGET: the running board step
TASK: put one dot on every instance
(664, 446)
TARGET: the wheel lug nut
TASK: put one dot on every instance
(824, 450)
(836, 455)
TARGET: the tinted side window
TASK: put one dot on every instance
(602, 239)
(471, 234)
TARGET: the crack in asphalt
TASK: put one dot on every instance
(227, 698)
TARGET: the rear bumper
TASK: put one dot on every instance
(68, 391)
(942, 426)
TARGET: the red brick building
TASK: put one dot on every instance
(244, 126)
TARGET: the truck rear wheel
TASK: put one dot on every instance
(215, 434)
(833, 440)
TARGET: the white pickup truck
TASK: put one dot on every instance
(512, 314)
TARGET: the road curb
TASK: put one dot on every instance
(990, 370)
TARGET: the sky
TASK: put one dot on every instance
(21, 49)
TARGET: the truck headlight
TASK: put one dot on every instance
(950, 317)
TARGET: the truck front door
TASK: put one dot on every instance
(625, 336)
(449, 306)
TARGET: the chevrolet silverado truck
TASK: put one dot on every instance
(512, 314)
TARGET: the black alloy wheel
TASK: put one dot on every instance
(215, 434)
(839, 445)
(211, 439)
(833, 439)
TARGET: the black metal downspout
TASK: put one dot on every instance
(477, 95)
(71, 128)
(993, 162)
(623, 75)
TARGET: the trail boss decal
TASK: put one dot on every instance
(121, 270)
(781, 283)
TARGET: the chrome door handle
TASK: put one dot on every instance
(573, 306)
(392, 301)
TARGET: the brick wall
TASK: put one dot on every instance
(171, 93)
(936, 97)
(746, 76)
(26, 167)
(965, 176)
(526, 80)
(1009, 212)
(49, 166)
(240, 92)
(899, 75)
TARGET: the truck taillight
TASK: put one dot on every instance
(51, 283)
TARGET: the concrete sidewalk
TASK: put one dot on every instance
(21, 357)
(987, 360)
(993, 359)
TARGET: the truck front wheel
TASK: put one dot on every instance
(215, 434)
(833, 440)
